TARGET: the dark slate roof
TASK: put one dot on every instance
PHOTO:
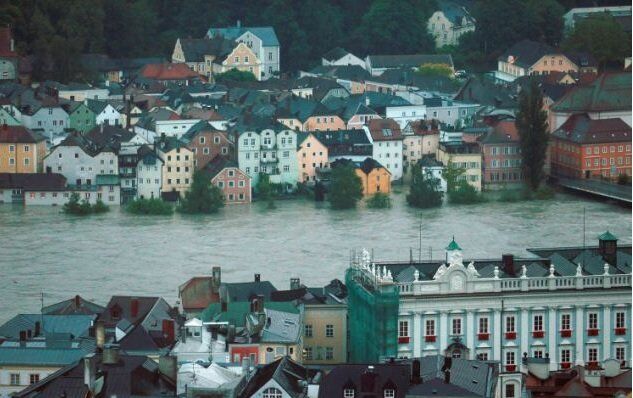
(296, 107)
(73, 306)
(365, 380)
(33, 181)
(75, 325)
(409, 78)
(195, 49)
(107, 135)
(18, 134)
(96, 106)
(139, 339)
(609, 92)
(453, 12)
(124, 305)
(345, 142)
(485, 92)
(265, 33)
(410, 61)
(335, 54)
(217, 164)
(438, 387)
(245, 291)
(581, 129)
(354, 73)
(504, 132)
(527, 52)
(287, 373)
(40, 355)
(87, 145)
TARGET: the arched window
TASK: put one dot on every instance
(271, 392)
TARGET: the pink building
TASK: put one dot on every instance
(234, 183)
(501, 164)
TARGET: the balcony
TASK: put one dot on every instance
(483, 336)
(511, 368)
(268, 159)
(620, 331)
(403, 340)
(538, 334)
(565, 333)
(593, 365)
(429, 339)
(511, 335)
(593, 332)
(565, 365)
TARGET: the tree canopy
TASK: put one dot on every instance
(425, 190)
(531, 124)
(346, 187)
(202, 196)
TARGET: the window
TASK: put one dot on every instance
(510, 358)
(403, 329)
(241, 184)
(482, 356)
(329, 330)
(483, 325)
(14, 379)
(329, 353)
(236, 60)
(565, 322)
(272, 392)
(457, 326)
(308, 353)
(537, 323)
(565, 355)
(389, 393)
(510, 324)
(620, 320)
(538, 354)
(34, 378)
(348, 393)
(620, 353)
(592, 354)
(593, 321)
(510, 391)
(430, 327)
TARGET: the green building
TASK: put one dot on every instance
(81, 117)
(7, 118)
(373, 301)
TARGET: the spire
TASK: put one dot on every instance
(453, 245)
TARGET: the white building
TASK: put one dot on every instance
(340, 57)
(578, 14)
(50, 121)
(386, 138)
(80, 161)
(404, 114)
(569, 304)
(270, 152)
(448, 23)
(104, 113)
(451, 113)
(148, 173)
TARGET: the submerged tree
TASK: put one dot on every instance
(202, 196)
(531, 124)
(346, 187)
(425, 190)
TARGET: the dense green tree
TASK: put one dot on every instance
(425, 190)
(379, 200)
(464, 194)
(547, 15)
(601, 36)
(78, 207)
(531, 124)
(346, 188)
(152, 206)
(202, 197)
(235, 75)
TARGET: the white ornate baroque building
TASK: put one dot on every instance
(571, 306)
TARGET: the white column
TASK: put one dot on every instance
(525, 332)
(552, 332)
(417, 334)
(606, 333)
(470, 333)
(444, 332)
(579, 355)
(496, 339)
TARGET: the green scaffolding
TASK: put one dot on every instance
(372, 318)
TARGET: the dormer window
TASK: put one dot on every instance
(389, 393)
(348, 393)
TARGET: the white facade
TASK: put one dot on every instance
(388, 153)
(149, 177)
(348, 59)
(21, 374)
(269, 152)
(108, 194)
(452, 113)
(79, 167)
(268, 55)
(109, 116)
(50, 121)
(79, 95)
(405, 113)
(447, 32)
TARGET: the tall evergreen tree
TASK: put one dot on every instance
(531, 123)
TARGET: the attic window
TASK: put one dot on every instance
(348, 393)
(387, 132)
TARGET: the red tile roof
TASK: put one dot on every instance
(581, 129)
(168, 72)
(18, 134)
(5, 43)
(425, 127)
(384, 130)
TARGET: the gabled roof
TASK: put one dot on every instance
(287, 373)
(96, 106)
(168, 72)
(504, 131)
(18, 135)
(608, 236)
(581, 129)
(335, 54)
(245, 291)
(384, 130)
(609, 92)
(217, 164)
(194, 50)
(410, 78)
(236, 311)
(526, 53)
(106, 134)
(124, 306)
(453, 11)
(409, 60)
(73, 306)
(265, 33)
(354, 73)
(365, 379)
(75, 325)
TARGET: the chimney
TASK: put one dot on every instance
(110, 354)
(258, 277)
(22, 338)
(134, 308)
(217, 278)
(90, 371)
(238, 23)
(168, 330)
(295, 283)
(77, 301)
(100, 335)
(38, 327)
(415, 372)
(101, 127)
(246, 366)
(507, 261)
(224, 306)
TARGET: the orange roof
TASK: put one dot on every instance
(168, 71)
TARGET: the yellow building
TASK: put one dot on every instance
(376, 178)
(325, 333)
(465, 155)
(312, 157)
(21, 150)
(178, 165)
(243, 59)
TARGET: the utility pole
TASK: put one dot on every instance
(420, 245)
